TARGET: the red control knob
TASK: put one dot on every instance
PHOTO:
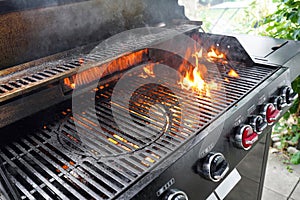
(245, 137)
(270, 113)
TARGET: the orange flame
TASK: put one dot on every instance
(69, 82)
(213, 55)
(81, 60)
(232, 73)
(194, 78)
(95, 73)
(148, 71)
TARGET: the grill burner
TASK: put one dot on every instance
(100, 163)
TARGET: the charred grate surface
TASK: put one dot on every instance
(58, 163)
(15, 84)
(41, 171)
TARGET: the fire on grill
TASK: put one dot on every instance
(133, 117)
(137, 112)
(156, 106)
(191, 77)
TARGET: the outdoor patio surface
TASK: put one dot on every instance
(280, 184)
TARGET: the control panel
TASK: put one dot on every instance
(247, 134)
(205, 167)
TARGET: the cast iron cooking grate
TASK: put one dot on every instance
(57, 162)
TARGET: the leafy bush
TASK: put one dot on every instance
(284, 22)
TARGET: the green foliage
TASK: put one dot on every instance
(284, 22)
(289, 131)
(295, 159)
(289, 168)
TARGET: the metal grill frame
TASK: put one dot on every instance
(130, 165)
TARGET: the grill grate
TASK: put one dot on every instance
(56, 163)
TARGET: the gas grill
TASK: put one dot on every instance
(164, 111)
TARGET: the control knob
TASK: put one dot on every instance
(175, 194)
(213, 166)
(278, 102)
(257, 123)
(288, 95)
(245, 137)
(270, 113)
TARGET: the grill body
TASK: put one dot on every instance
(150, 144)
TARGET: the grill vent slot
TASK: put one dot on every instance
(37, 77)
(30, 79)
(50, 72)
(6, 87)
(23, 82)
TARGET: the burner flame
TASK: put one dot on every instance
(232, 73)
(193, 81)
(148, 71)
(69, 82)
(96, 72)
(213, 55)
(194, 78)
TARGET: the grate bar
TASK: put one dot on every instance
(189, 100)
(22, 189)
(121, 109)
(109, 122)
(45, 147)
(192, 107)
(115, 132)
(104, 179)
(101, 111)
(53, 175)
(37, 174)
(91, 181)
(65, 172)
(92, 143)
(24, 176)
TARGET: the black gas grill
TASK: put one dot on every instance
(117, 120)
(60, 164)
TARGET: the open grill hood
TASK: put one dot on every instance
(37, 29)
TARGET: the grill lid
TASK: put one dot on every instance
(34, 29)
